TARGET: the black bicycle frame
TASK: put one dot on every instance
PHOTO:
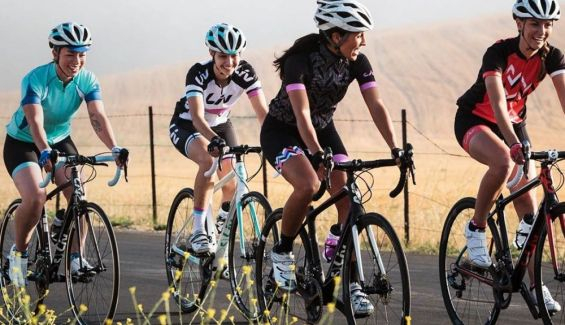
(75, 207)
(356, 210)
(500, 236)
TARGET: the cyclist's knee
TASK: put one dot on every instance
(204, 164)
(35, 202)
(501, 167)
(306, 188)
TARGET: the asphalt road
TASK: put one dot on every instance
(142, 267)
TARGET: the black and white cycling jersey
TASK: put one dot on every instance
(218, 101)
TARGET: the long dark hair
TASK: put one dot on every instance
(306, 44)
(543, 52)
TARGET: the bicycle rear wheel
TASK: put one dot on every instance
(387, 282)
(94, 286)
(243, 241)
(18, 311)
(549, 267)
(467, 300)
(278, 305)
(184, 272)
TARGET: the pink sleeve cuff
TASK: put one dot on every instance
(367, 85)
(293, 87)
(254, 92)
(491, 73)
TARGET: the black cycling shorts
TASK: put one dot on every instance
(465, 121)
(182, 132)
(19, 154)
(281, 141)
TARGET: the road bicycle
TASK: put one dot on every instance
(473, 295)
(86, 229)
(190, 275)
(368, 247)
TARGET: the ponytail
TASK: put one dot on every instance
(543, 52)
(306, 44)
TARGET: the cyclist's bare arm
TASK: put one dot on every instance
(301, 110)
(259, 105)
(497, 98)
(196, 105)
(380, 115)
(559, 84)
(100, 123)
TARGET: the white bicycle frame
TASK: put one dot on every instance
(220, 247)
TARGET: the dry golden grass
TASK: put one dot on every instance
(423, 71)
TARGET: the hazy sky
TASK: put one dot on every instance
(133, 34)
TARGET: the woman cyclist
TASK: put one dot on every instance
(51, 95)
(316, 72)
(200, 126)
(490, 123)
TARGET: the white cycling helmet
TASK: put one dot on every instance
(225, 38)
(539, 9)
(349, 15)
(73, 35)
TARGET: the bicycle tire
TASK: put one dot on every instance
(544, 271)
(96, 288)
(454, 286)
(241, 253)
(16, 309)
(388, 291)
(184, 276)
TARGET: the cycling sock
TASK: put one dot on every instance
(473, 227)
(226, 206)
(528, 218)
(336, 229)
(199, 216)
(285, 245)
(75, 255)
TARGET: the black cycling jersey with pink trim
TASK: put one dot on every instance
(218, 101)
(520, 77)
(325, 77)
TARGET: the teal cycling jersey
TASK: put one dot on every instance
(59, 102)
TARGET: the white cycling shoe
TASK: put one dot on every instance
(477, 247)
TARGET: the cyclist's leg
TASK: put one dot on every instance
(193, 146)
(329, 137)
(227, 132)
(21, 160)
(282, 146)
(487, 148)
(33, 198)
(482, 140)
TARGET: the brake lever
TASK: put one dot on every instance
(526, 150)
(329, 165)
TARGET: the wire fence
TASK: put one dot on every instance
(158, 172)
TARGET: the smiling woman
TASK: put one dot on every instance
(51, 95)
(200, 126)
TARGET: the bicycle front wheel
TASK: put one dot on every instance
(184, 272)
(467, 300)
(93, 283)
(549, 268)
(38, 281)
(387, 282)
(252, 211)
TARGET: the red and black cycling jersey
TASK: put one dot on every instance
(520, 76)
(218, 101)
(325, 77)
